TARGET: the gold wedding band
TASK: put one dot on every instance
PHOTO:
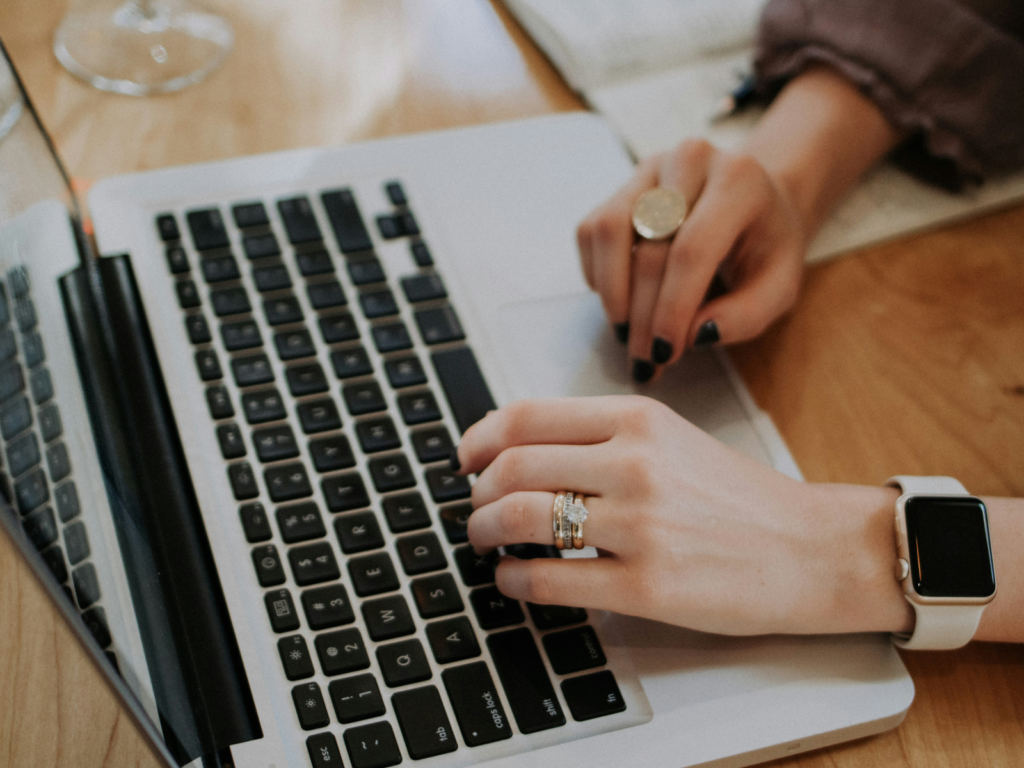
(558, 521)
(568, 515)
(658, 213)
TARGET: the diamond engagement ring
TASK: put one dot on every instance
(658, 213)
(569, 514)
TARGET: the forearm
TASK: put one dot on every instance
(1003, 620)
(817, 139)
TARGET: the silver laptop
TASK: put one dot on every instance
(226, 448)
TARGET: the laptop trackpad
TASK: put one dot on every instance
(563, 346)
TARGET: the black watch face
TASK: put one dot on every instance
(950, 555)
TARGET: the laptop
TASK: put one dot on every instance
(226, 442)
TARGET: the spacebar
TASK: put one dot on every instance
(463, 385)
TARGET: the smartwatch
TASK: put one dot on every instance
(944, 561)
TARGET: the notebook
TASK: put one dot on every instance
(226, 446)
(658, 70)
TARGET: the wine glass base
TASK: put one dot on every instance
(138, 51)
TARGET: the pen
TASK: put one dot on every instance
(742, 96)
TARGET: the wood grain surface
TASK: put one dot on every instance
(906, 357)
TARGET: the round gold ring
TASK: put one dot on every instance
(658, 213)
(558, 521)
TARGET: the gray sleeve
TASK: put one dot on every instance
(951, 77)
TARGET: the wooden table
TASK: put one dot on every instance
(905, 357)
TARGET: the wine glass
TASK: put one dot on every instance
(141, 47)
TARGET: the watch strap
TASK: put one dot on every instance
(932, 486)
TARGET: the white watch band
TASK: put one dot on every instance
(938, 627)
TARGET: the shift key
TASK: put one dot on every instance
(526, 682)
(478, 709)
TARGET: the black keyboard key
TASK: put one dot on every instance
(263, 406)
(463, 385)
(208, 365)
(309, 704)
(299, 220)
(167, 227)
(275, 443)
(373, 574)
(283, 310)
(421, 254)
(292, 345)
(391, 473)
(437, 595)
(342, 651)
(532, 551)
(314, 263)
(554, 616)
(313, 564)
(326, 295)
(177, 260)
(323, 750)
(358, 532)
(22, 454)
(409, 224)
(87, 585)
(403, 662)
(250, 215)
(254, 522)
(427, 287)
(272, 278)
(31, 491)
(232, 446)
(66, 498)
(331, 453)
(327, 607)
(390, 227)
(76, 541)
(365, 271)
(418, 407)
(58, 462)
(378, 303)
(454, 520)
(345, 492)
(32, 346)
(338, 328)
(260, 246)
(393, 337)
(445, 485)
(8, 345)
(298, 664)
(423, 721)
(198, 329)
(572, 650)
(405, 372)
(50, 425)
(372, 746)
(12, 381)
(346, 221)
(15, 418)
(217, 269)
(494, 610)
(306, 379)
(356, 698)
(364, 397)
(207, 227)
(439, 326)
(269, 570)
(434, 444)
(253, 370)
(406, 512)
(350, 362)
(452, 640)
(18, 278)
(300, 522)
(525, 680)
(590, 696)
(396, 194)
(477, 706)
(230, 301)
(377, 435)
(95, 620)
(388, 618)
(242, 335)
(475, 569)
(41, 385)
(219, 402)
(421, 553)
(41, 527)
(287, 482)
(54, 559)
(188, 294)
(243, 481)
(319, 416)
(25, 314)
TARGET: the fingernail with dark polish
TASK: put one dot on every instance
(707, 335)
(642, 371)
(661, 351)
(453, 461)
(622, 332)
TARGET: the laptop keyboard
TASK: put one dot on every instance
(37, 479)
(362, 588)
